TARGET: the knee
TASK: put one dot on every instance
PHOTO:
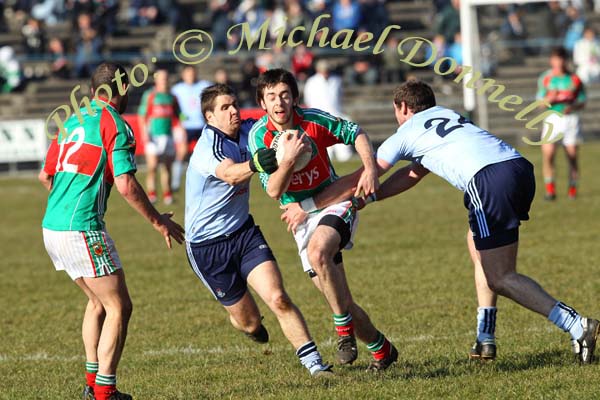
(318, 258)
(96, 307)
(497, 284)
(280, 302)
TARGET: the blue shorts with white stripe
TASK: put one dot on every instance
(498, 198)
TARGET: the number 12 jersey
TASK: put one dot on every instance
(447, 144)
(84, 160)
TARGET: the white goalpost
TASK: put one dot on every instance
(469, 31)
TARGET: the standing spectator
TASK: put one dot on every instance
(447, 22)
(346, 15)
(60, 65)
(10, 70)
(324, 92)
(302, 59)
(188, 93)
(158, 114)
(575, 29)
(586, 57)
(34, 39)
(296, 17)
(393, 69)
(88, 46)
(565, 93)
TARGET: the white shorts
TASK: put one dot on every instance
(160, 146)
(567, 124)
(344, 210)
(179, 135)
(87, 254)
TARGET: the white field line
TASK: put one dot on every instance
(190, 350)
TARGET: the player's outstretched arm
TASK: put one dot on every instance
(401, 180)
(132, 191)
(234, 173)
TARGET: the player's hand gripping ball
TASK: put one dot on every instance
(303, 158)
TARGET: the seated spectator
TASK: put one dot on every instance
(447, 22)
(10, 70)
(296, 17)
(250, 73)
(220, 17)
(222, 76)
(302, 59)
(575, 29)
(346, 15)
(363, 71)
(455, 50)
(49, 11)
(34, 39)
(374, 16)
(88, 47)
(60, 65)
(150, 12)
(249, 11)
(586, 57)
(393, 68)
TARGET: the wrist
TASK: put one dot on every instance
(370, 198)
(308, 205)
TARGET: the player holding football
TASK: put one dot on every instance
(565, 93)
(226, 250)
(499, 186)
(327, 231)
(81, 166)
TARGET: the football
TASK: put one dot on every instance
(302, 160)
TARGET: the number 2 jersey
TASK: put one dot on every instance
(447, 144)
(84, 160)
(324, 130)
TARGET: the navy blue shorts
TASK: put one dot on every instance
(224, 263)
(498, 199)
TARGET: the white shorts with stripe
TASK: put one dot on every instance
(304, 232)
(87, 254)
(567, 124)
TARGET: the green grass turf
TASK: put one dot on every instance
(409, 269)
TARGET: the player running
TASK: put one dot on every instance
(327, 231)
(226, 250)
(565, 93)
(499, 186)
(162, 134)
(81, 167)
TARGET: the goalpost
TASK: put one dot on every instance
(469, 31)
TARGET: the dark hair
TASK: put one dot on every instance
(271, 78)
(209, 95)
(106, 74)
(559, 52)
(417, 95)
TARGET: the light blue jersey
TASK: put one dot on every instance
(447, 144)
(188, 97)
(213, 207)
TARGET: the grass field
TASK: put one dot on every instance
(409, 269)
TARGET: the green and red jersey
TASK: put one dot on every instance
(568, 86)
(161, 112)
(324, 130)
(84, 160)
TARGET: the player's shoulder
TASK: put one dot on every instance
(315, 114)
(259, 126)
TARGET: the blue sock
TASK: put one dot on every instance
(486, 324)
(566, 319)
